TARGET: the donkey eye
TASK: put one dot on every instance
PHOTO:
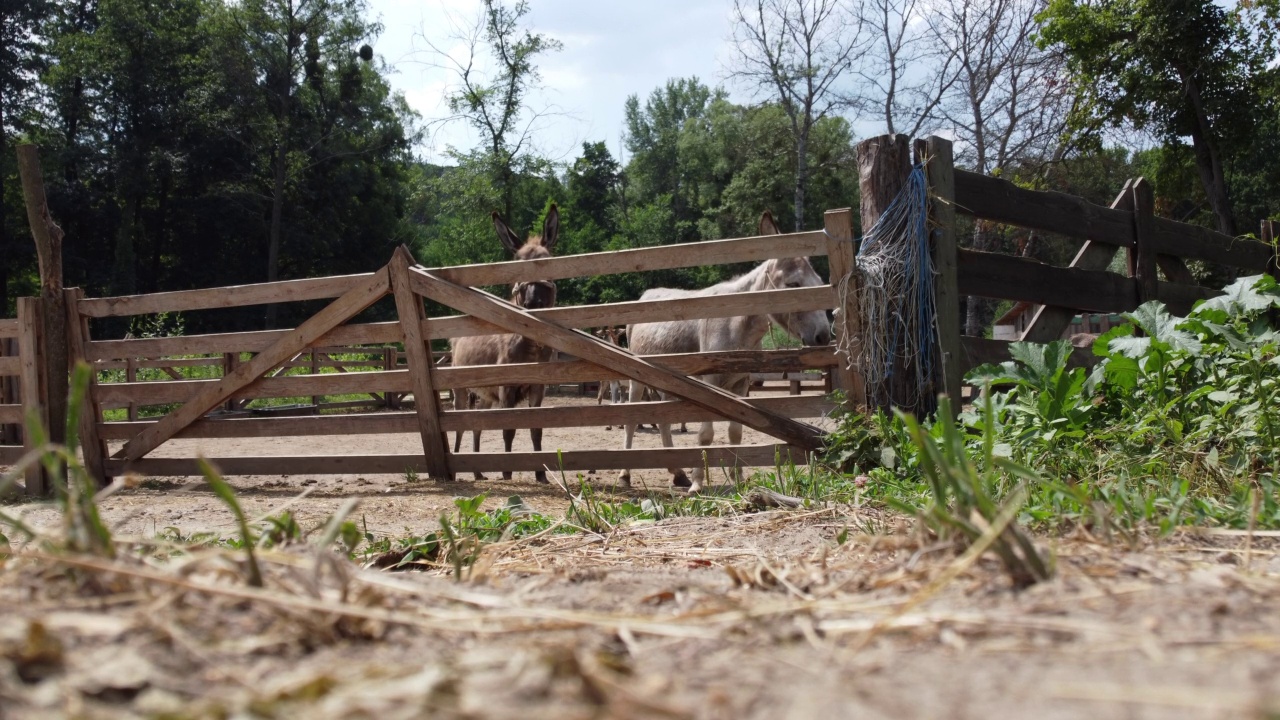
(793, 284)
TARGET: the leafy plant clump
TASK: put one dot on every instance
(1176, 424)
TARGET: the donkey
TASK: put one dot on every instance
(508, 349)
(613, 336)
(733, 333)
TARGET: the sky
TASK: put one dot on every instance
(612, 49)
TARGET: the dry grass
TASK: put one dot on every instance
(737, 616)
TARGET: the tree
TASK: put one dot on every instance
(300, 52)
(905, 72)
(496, 104)
(1182, 68)
(22, 57)
(798, 52)
(1005, 105)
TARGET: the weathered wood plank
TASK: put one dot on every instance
(8, 328)
(1200, 243)
(982, 351)
(355, 301)
(1005, 277)
(841, 254)
(1049, 322)
(595, 350)
(362, 334)
(92, 448)
(11, 415)
(1001, 201)
(177, 391)
(421, 370)
(572, 371)
(940, 169)
(664, 257)
(222, 297)
(624, 313)
(672, 411)
(570, 461)
(10, 455)
(10, 365)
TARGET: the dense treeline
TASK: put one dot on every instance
(193, 143)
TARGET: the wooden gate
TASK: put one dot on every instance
(409, 285)
(22, 386)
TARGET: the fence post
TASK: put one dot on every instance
(91, 445)
(32, 385)
(131, 375)
(315, 370)
(426, 399)
(884, 165)
(838, 225)
(941, 172)
(1142, 256)
(48, 238)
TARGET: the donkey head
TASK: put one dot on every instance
(535, 294)
(813, 327)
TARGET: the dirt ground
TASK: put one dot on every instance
(390, 504)
(752, 615)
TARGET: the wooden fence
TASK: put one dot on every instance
(253, 365)
(21, 387)
(1156, 249)
(269, 352)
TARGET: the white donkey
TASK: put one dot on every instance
(731, 333)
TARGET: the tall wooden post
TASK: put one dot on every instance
(941, 171)
(884, 165)
(48, 238)
(1142, 256)
(31, 379)
(426, 399)
(92, 447)
(841, 252)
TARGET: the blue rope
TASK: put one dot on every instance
(901, 232)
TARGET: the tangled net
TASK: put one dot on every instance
(896, 301)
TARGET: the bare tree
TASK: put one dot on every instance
(798, 53)
(1006, 104)
(495, 103)
(905, 72)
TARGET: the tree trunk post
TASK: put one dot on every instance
(884, 165)
(48, 239)
(940, 169)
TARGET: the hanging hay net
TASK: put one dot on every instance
(895, 349)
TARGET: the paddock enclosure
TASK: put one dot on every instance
(389, 367)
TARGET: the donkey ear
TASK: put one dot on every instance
(505, 236)
(551, 227)
(767, 225)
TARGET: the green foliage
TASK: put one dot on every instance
(227, 495)
(1177, 424)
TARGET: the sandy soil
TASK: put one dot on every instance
(390, 505)
(753, 615)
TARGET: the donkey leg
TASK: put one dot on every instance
(735, 438)
(678, 476)
(706, 435)
(475, 435)
(629, 431)
(535, 434)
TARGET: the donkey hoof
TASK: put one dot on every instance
(540, 477)
(680, 480)
(480, 476)
(695, 488)
(506, 476)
